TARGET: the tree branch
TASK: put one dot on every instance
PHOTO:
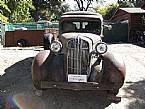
(88, 4)
(78, 3)
(82, 5)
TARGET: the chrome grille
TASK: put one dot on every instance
(77, 57)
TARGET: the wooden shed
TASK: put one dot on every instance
(136, 21)
(28, 37)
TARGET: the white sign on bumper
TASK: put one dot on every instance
(77, 78)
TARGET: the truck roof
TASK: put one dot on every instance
(85, 14)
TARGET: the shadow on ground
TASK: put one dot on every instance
(17, 79)
(137, 93)
(18, 92)
(68, 99)
(17, 75)
(140, 45)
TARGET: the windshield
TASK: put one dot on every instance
(88, 26)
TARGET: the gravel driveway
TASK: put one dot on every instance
(17, 91)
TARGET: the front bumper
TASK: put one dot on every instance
(76, 86)
(82, 86)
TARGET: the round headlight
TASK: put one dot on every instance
(55, 46)
(101, 48)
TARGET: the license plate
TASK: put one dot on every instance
(77, 78)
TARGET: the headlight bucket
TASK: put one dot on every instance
(101, 48)
(55, 46)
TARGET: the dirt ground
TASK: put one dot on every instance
(18, 92)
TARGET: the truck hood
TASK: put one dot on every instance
(93, 38)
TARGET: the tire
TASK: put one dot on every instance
(115, 88)
(22, 43)
(115, 85)
(114, 92)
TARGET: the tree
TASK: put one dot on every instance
(81, 4)
(17, 10)
(20, 10)
(124, 4)
(48, 9)
(139, 3)
(3, 8)
(107, 11)
(111, 9)
(136, 3)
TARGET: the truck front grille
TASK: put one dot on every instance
(78, 56)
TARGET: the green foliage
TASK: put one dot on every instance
(107, 11)
(101, 10)
(124, 4)
(131, 3)
(3, 18)
(59, 11)
(139, 3)
(48, 9)
(16, 10)
(3, 8)
(21, 11)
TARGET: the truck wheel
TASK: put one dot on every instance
(114, 82)
(21, 43)
(115, 88)
(114, 92)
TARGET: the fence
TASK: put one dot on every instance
(31, 26)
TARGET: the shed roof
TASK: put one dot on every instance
(133, 10)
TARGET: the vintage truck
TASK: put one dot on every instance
(77, 59)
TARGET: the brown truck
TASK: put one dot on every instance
(78, 59)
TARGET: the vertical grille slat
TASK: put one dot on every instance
(77, 56)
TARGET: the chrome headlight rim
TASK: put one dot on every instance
(55, 46)
(101, 48)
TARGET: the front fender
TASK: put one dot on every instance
(114, 68)
(47, 66)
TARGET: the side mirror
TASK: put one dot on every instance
(109, 27)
